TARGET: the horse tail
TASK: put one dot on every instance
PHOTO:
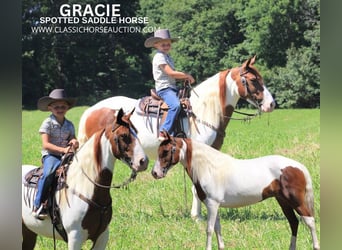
(309, 194)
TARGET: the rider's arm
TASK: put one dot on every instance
(176, 74)
(51, 147)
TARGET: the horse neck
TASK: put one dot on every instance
(94, 162)
(233, 95)
(201, 165)
(210, 99)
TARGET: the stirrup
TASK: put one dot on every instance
(38, 213)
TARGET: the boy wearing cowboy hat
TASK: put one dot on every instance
(165, 75)
(58, 136)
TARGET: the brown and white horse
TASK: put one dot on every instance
(213, 102)
(223, 181)
(85, 203)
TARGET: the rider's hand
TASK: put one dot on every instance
(73, 143)
(189, 78)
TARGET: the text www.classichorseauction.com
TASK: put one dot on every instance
(100, 18)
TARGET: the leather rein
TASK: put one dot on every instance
(123, 184)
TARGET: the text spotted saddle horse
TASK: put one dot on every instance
(31, 179)
(154, 105)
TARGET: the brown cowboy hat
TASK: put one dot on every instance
(159, 35)
(54, 96)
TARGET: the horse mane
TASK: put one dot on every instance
(86, 160)
(98, 149)
(207, 105)
(212, 162)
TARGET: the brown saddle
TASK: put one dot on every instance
(31, 180)
(154, 105)
(33, 176)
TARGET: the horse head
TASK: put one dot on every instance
(125, 144)
(168, 156)
(251, 86)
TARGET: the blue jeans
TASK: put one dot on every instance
(169, 96)
(50, 163)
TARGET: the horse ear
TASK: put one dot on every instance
(252, 60)
(131, 113)
(119, 116)
(168, 136)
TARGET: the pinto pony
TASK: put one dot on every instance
(223, 181)
(212, 101)
(85, 203)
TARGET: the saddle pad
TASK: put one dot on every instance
(149, 106)
(32, 177)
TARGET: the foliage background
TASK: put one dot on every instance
(284, 34)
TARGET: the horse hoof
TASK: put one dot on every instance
(197, 218)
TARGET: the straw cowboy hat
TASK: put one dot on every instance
(159, 35)
(54, 96)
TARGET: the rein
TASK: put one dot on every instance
(248, 117)
(124, 184)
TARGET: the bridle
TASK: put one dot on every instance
(133, 173)
(257, 86)
(121, 155)
(172, 158)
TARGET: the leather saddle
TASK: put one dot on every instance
(154, 105)
(50, 203)
(32, 177)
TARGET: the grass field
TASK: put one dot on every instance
(155, 214)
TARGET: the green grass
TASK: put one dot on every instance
(155, 214)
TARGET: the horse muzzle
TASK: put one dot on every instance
(141, 165)
(158, 172)
(268, 104)
(269, 107)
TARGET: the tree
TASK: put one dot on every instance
(215, 35)
(90, 66)
(298, 83)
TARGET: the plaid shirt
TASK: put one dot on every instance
(59, 135)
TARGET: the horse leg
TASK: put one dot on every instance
(306, 213)
(212, 222)
(196, 205)
(29, 238)
(310, 222)
(218, 232)
(292, 219)
(75, 239)
(295, 195)
(101, 241)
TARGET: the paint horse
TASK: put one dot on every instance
(85, 203)
(213, 102)
(223, 181)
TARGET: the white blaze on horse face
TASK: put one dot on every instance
(157, 170)
(268, 103)
(140, 160)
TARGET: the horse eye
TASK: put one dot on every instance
(165, 153)
(257, 85)
(126, 138)
(254, 81)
